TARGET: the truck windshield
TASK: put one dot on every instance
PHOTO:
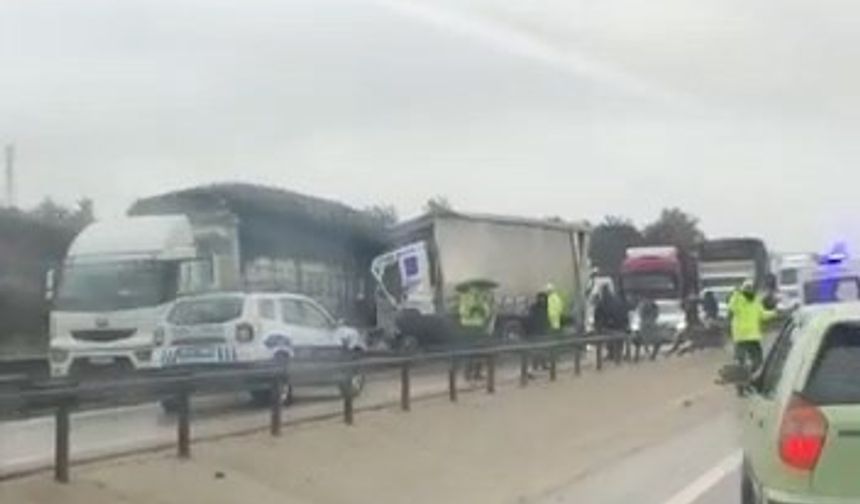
(116, 286)
(788, 276)
(653, 285)
(206, 311)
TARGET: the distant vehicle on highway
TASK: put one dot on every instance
(725, 263)
(664, 275)
(802, 419)
(241, 329)
(788, 269)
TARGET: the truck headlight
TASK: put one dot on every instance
(681, 326)
(58, 355)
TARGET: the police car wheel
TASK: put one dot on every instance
(263, 397)
(357, 381)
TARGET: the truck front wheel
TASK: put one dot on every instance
(512, 331)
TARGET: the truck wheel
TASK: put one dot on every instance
(407, 343)
(170, 406)
(512, 331)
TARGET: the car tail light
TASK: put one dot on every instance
(244, 333)
(802, 434)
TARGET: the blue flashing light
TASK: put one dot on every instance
(837, 255)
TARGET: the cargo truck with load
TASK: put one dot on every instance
(724, 264)
(431, 255)
(119, 277)
(664, 275)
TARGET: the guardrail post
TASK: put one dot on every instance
(404, 387)
(598, 347)
(276, 406)
(553, 362)
(348, 406)
(637, 350)
(491, 373)
(577, 359)
(452, 380)
(184, 425)
(61, 439)
(524, 368)
(627, 351)
(618, 350)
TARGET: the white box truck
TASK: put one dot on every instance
(434, 253)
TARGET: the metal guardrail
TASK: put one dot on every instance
(64, 396)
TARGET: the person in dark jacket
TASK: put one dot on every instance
(539, 326)
(610, 316)
(649, 332)
(710, 306)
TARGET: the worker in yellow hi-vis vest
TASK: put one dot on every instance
(554, 308)
(475, 310)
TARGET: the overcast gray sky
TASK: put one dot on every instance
(744, 113)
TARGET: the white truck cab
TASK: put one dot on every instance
(789, 268)
(117, 281)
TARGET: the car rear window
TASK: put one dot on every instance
(835, 377)
(206, 311)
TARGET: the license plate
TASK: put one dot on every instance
(196, 354)
(101, 361)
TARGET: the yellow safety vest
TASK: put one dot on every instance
(747, 318)
(555, 310)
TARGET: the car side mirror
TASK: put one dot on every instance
(735, 374)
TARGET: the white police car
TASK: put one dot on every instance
(226, 329)
(835, 279)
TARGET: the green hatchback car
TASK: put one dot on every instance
(801, 424)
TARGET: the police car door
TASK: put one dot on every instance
(318, 323)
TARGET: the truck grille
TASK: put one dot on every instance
(103, 335)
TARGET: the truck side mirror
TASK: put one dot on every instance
(50, 284)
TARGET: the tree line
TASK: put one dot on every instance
(612, 237)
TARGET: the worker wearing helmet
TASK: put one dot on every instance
(554, 308)
(475, 314)
(748, 315)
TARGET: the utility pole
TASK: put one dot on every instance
(10, 175)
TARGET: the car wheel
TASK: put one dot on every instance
(357, 381)
(748, 495)
(263, 397)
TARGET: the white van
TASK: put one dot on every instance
(237, 329)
